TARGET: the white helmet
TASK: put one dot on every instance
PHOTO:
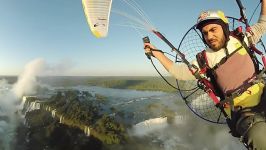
(216, 17)
(209, 15)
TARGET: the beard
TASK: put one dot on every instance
(219, 44)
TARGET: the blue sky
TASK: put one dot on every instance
(57, 31)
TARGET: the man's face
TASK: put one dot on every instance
(214, 36)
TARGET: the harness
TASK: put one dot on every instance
(226, 100)
(209, 72)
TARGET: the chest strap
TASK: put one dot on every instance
(224, 59)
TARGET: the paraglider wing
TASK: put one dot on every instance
(97, 13)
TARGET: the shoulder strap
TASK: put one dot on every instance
(238, 34)
(205, 69)
(202, 59)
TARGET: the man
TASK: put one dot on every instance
(234, 72)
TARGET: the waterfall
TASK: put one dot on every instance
(53, 113)
(24, 99)
(34, 106)
(87, 130)
(61, 119)
(149, 126)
